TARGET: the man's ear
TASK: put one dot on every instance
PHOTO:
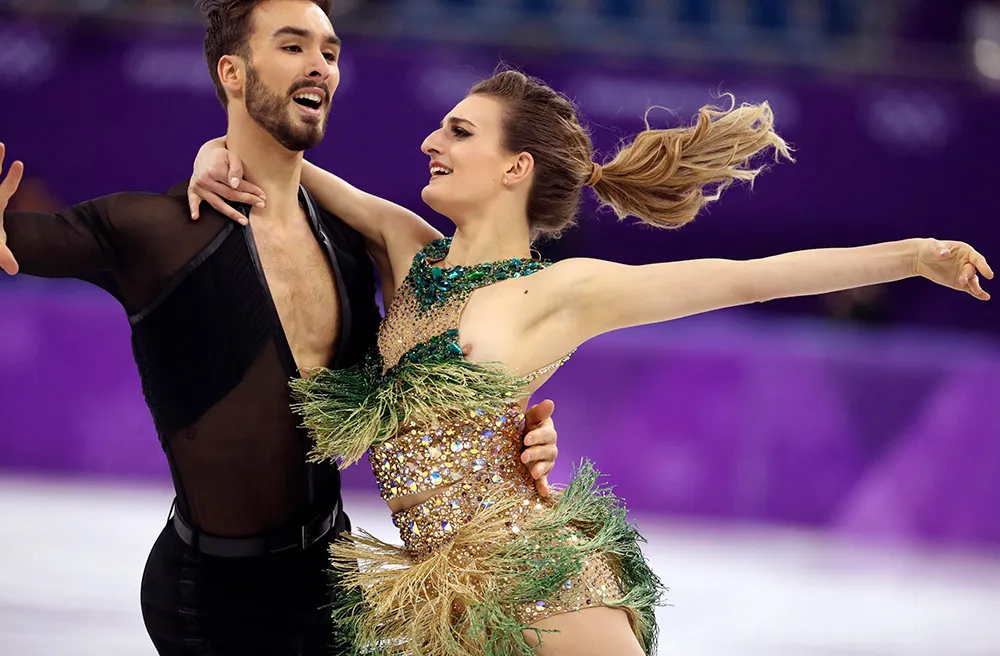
(232, 74)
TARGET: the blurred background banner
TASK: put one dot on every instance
(884, 435)
(838, 411)
(95, 105)
(816, 476)
(871, 415)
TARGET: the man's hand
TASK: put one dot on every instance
(540, 440)
(7, 189)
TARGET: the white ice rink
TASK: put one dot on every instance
(73, 553)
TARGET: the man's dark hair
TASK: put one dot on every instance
(228, 32)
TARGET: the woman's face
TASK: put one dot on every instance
(467, 159)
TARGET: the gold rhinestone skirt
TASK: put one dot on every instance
(427, 526)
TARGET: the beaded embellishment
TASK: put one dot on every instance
(433, 285)
(485, 556)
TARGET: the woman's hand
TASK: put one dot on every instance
(217, 177)
(953, 264)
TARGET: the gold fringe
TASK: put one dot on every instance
(463, 599)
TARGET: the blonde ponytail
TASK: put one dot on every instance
(665, 177)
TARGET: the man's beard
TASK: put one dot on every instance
(270, 111)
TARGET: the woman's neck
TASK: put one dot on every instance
(485, 240)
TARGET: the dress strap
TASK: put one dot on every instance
(552, 366)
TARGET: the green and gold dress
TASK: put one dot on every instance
(486, 557)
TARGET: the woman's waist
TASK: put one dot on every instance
(432, 522)
(506, 475)
(422, 459)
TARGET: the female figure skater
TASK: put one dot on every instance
(475, 326)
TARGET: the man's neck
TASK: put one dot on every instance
(267, 164)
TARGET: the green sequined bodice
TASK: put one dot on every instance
(419, 370)
(422, 322)
(433, 285)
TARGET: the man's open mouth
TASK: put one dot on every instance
(309, 100)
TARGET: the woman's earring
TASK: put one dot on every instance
(506, 181)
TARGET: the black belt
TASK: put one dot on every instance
(295, 537)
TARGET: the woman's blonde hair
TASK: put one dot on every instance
(663, 177)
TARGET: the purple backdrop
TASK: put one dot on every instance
(886, 434)
(97, 109)
(890, 435)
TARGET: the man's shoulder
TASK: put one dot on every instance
(179, 190)
(174, 198)
(347, 236)
(153, 213)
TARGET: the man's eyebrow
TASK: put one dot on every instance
(332, 39)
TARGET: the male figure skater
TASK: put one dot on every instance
(222, 316)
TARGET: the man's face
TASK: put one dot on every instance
(292, 73)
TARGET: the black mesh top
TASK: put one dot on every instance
(210, 349)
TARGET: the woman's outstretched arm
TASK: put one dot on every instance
(599, 296)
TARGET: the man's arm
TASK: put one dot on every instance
(540, 452)
(79, 242)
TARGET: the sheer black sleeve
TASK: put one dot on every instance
(128, 243)
(80, 242)
(209, 345)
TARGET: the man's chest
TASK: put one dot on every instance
(303, 287)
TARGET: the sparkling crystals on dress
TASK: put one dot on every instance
(418, 460)
(485, 538)
(435, 285)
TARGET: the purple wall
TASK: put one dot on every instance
(890, 434)
(97, 110)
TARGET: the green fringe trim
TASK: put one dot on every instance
(597, 513)
(348, 411)
(395, 606)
